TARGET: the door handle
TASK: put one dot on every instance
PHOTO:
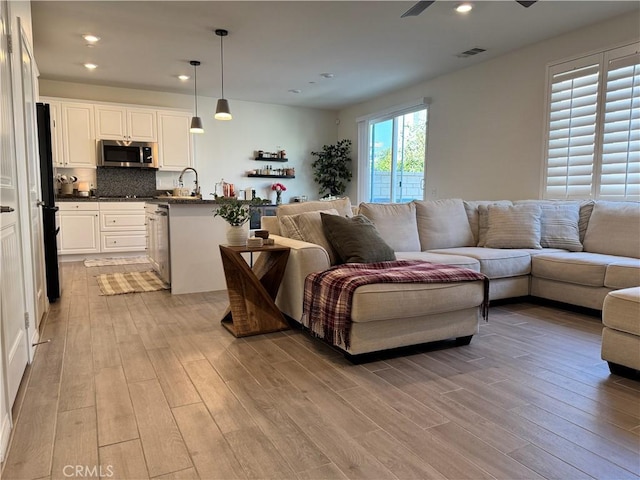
(5, 209)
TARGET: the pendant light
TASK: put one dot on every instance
(196, 122)
(222, 108)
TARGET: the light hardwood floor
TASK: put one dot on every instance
(151, 385)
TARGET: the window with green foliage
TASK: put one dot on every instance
(392, 155)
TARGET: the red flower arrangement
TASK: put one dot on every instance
(278, 187)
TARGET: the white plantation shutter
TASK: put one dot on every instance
(572, 132)
(593, 141)
(620, 177)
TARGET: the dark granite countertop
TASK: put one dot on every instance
(160, 199)
(102, 199)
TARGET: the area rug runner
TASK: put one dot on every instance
(130, 282)
(328, 294)
(107, 262)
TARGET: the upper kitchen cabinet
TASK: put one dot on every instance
(120, 123)
(78, 135)
(174, 140)
(56, 133)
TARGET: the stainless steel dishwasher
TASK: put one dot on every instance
(162, 250)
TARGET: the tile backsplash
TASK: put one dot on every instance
(115, 182)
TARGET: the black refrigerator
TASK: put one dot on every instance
(49, 208)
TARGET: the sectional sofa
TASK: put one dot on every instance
(571, 252)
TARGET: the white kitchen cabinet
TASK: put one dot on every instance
(78, 135)
(175, 150)
(120, 123)
(122, 227)
(56, 133)
(79, 227)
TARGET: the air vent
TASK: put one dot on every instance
(471, 52)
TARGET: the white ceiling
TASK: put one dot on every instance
(273, 47)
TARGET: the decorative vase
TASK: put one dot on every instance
(237, 235)
(278, 198)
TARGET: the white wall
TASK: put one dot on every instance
(486, 122)
(226, 149)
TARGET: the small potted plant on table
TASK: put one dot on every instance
(236, 214)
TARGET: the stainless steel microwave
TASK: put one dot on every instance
(119, 153)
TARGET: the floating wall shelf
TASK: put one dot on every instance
(255, 175)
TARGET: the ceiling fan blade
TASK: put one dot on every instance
(525, 3)
(417, 9)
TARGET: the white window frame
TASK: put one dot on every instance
(364, 124)
(602, 59)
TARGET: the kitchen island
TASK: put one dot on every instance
(194, 239)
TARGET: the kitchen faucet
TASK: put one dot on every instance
(197, 190)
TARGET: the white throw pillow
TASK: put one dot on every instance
(515, 226)
(614, 229)
(396, 223)
(443, 224)
(477, 214)
(308, 228)
(585, 206)
(559, 226)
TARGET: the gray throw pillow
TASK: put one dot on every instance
(355, 239)
(560, 227)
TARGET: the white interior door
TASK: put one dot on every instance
(33, 174)
(13, 335)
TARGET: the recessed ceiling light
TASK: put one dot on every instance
(295, 90)
(90, 66)
(91, 38)
(464, 8)
(184, 78)
(327, 75)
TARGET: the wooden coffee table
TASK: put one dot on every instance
(252, 291)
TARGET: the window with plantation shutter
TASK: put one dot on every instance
(593, 127)
(620, 177)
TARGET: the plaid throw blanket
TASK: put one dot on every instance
(328, 294)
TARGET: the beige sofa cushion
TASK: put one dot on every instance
(621, 311)
(624, 273)
(495, 262)
(443, 224)
(513, 226)
(457, 260)
(384, 301)
(581, 268)
(614, 229)
(342, 205)
(396, 223)
(307, 227)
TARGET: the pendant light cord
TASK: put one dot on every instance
(195, 86)
(222, 64)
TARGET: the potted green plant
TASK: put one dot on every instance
(236, 213)
(331, 170)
